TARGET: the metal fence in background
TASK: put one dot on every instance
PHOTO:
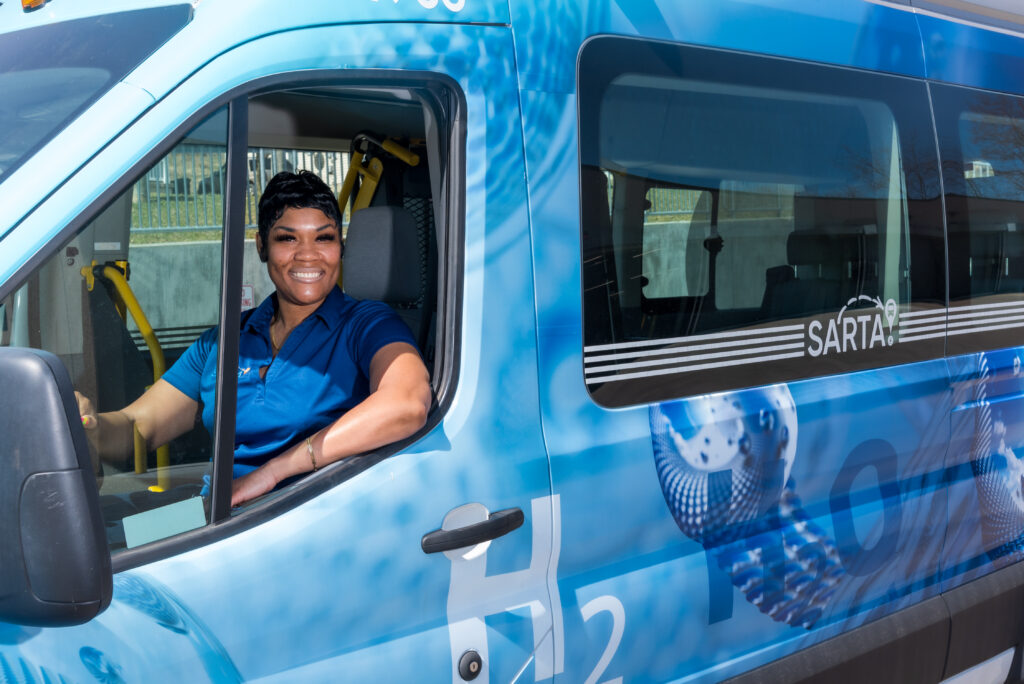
(184, 191)
(670, 201)
(737, 201)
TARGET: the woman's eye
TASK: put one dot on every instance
(327, 238)
(284, 237)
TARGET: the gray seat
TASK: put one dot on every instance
(815, 260)
(382, 263)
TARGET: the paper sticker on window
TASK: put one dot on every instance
(248, 298)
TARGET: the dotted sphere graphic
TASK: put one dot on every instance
(752, 434)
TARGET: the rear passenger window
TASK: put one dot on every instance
(674, 261)
(981, 138)
(748, 220)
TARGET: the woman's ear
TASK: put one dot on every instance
(261, 249)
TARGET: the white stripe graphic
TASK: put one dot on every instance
(600, 358)
(928, 312)
(688, 369)
(698, 357)
(915, 338)
(694, 338)
(985, 314)
(909, 330)
(987, 328)
(741, 344)
(977, 307)
(964, 320)
(924, 320)
(994, 319)
(941, 315)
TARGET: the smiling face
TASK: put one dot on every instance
(303, 257)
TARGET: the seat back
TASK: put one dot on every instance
(382, 263)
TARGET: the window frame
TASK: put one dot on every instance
(950, 103)
(618, 57)
(447, 105)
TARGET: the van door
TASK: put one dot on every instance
(748, 432)
(334, 577)
(981, 138)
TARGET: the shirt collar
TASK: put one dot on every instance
(333, 307)
(329, 312)
(259, 318)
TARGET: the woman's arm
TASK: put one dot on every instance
(162, 413)
(396, 408)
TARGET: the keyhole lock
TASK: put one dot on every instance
(470, 665)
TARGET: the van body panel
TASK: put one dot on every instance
(270, 56)
(890, 509)
(847, 524)
(957, 52)
(847, 32)
(223, 27)
(360, 543)
(986, 510)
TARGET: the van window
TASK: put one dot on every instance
(118, 305)
(51, 73)
(760, 225)
(124, 298)
(981, 136)
(377, 140)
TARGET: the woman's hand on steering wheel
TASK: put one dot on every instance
(90, 422)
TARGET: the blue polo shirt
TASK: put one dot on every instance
(320, 372)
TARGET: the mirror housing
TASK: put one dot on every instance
(55, 567)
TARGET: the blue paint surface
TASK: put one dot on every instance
(769, 519)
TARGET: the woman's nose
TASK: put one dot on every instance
(306, 250)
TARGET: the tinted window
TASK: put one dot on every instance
(48, 75)
(119, 306)
(749, 220)
(981, 137)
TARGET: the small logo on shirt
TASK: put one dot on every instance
(242, 372)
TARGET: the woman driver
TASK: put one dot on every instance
(321, 376)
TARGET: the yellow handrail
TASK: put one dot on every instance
(124, 291)
(129, 302)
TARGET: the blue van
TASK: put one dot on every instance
(722, 301)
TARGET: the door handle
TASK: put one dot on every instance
(497, 524)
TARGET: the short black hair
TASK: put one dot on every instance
(302, 190)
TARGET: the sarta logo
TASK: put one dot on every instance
(854, 329)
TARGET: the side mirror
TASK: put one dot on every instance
(55, 566)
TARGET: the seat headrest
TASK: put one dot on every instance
(826, 245)
(811, 212)
(381, 256)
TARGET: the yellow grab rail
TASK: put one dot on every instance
(129, 303)
(369, 178)
(124, 291)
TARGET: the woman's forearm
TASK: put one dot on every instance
(379, 420)
(396, 408)
(113, 437)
